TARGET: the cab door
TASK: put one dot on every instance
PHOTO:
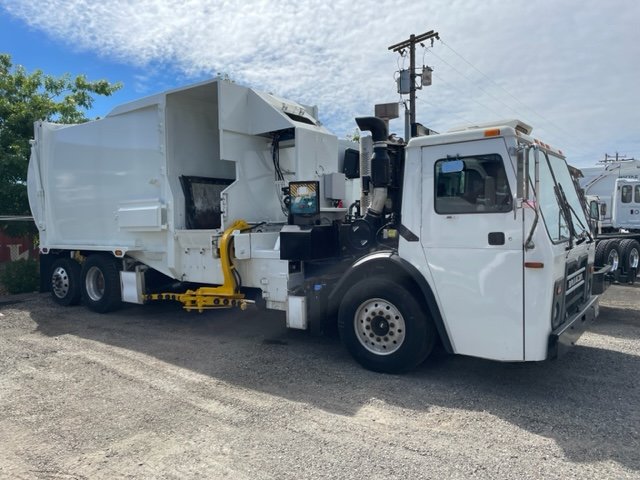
(473, 242)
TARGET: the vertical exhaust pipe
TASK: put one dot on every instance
(379, 165)
(366, 152)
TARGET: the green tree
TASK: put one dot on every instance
(24, 99)
(355, 136)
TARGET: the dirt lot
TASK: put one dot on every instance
(153, 392)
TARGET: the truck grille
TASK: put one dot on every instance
(575, 285)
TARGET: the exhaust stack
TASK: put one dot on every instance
(366, 152)
(379, 165)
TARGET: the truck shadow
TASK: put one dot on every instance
(558, 400)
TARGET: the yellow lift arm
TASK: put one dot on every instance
(206, 298)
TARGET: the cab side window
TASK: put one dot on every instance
(594, 212)
(637, 194)
(476, 184)
(626, 194)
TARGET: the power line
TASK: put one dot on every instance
(455, 114)
(531, 109)
(470, 96)
(493, 81)
(474, 84)
(567, 140)
(409, 45)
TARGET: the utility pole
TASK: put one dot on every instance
(410, 43)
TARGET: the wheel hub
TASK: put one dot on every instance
(95, 284)
(634, 258)
(613, 260)
(379, 326)
(60, 282)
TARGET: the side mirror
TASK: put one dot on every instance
(594, 211)
(452, 166)
(523, 159)
(536, 181)
(522, 173)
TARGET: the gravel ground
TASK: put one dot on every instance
(154, 392)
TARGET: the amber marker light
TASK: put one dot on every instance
(534, 265)
(492, 132)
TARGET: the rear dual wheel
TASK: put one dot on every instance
(608, 253)
(630, 255)
(101, 283)
(65, 282)
(96, 283)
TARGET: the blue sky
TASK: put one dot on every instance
(33, 49)
(569, 68)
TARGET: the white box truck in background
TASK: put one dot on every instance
(216, 195)
(612, 194)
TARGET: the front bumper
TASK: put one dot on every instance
(601, 280)
(566, 336)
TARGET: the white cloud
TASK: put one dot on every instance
(571, 65)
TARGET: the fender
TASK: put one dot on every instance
(388, 264)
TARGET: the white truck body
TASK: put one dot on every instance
(114, 184)
(617, 188)
(612, 195)
(502, 270)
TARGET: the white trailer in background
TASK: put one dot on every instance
(216, 195)
(612, 193)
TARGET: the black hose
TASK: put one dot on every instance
(376, 126)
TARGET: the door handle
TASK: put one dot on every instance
(496, 238)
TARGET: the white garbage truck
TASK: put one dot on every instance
(217, 195)
(612, 195)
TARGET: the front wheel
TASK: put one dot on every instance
(101, 283)
(384, 326)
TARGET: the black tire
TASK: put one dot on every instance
(608, 253)
(101, 283)
(375, 345)
(630, 257)
(65, 282)
(600, 248)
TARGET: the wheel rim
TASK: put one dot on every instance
(60, 282)
(634, 258)
(95, 284)
(613, 260)
(379, 326)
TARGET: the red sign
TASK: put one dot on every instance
(12, 248)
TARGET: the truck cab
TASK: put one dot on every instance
(626, 204)
(492, 223)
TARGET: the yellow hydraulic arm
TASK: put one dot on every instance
(206, 298)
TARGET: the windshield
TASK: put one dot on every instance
(564, 180)
(555, 220)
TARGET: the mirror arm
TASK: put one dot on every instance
(528, 244)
